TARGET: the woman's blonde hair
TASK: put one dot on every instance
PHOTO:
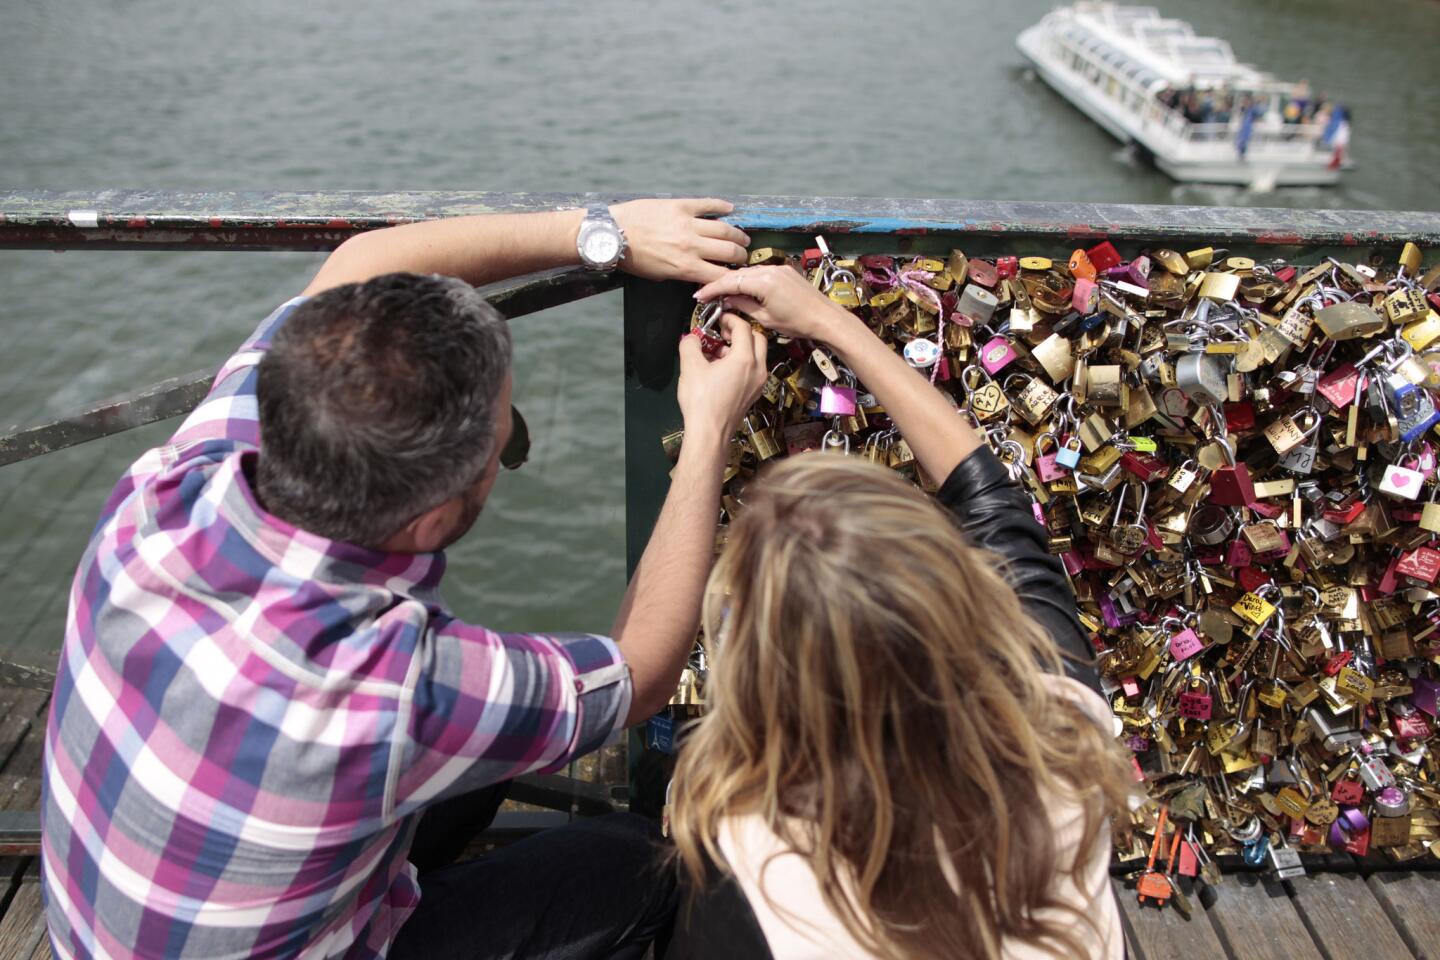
(876, 695)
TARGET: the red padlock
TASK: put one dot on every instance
(811, 258)
(1344, 513)
(1421, 564)
(1348, 793)
(1007, 267)
(1240, 416)
(1252, 579)
(984, 273)
(1104, 256)
(1231, 486)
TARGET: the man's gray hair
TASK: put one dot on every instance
(377, 403)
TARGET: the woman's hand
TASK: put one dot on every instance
(715, 394)
(779, 299)
(673, 240)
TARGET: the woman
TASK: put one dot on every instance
(894, 762)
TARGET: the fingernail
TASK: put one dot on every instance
(696, 295)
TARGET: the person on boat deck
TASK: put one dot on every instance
(266, 722)
(882, 770)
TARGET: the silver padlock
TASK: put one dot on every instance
(1202, 377)
(1373, 772)
(1301, 458)
(977, 305)
(1285, 862)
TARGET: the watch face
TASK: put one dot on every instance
(601, 246)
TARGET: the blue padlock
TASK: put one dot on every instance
(1253, 853)
(660, 732)
(1068, 456)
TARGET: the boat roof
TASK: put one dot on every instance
(1157, 50)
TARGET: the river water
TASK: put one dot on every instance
(728, 97)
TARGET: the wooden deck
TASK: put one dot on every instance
(1334, 916)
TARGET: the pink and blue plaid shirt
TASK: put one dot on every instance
(248, 718)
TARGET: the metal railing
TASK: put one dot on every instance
(654, 312)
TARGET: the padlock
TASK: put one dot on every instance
(1068, 456)
(1046, 466)
(1195, 702)
(761, 437)
(1035, 400)
(1202, 377)
(1231, 485)
(996, 355)
(1056, 356)
(1348, 320)
(837, 400)
(1401, 482)
(976, 306)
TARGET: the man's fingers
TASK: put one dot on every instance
(708, 206)
(720, 230)
(721, 251)
(700, 271)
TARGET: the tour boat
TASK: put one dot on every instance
(1185, 100)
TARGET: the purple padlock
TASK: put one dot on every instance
(837, 401)
(1425, 694)
(1238, 554)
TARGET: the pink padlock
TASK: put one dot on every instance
(1238, 554)
(996, 355)
(1086, 297)
(837, 400)
(1185, 644)
(1137, 271)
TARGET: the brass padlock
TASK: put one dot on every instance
(761, 437)
(1348, 320)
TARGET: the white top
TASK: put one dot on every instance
(804, 928)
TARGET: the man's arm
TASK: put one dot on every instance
(667, 239)
(660, 614)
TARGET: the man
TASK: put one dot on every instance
(261, 693)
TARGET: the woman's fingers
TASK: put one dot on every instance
(746, 282)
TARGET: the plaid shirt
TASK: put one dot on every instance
(248, 718)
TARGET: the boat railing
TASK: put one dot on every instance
(654, 313)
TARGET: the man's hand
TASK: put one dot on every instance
(779, 299)
(671, 240)
(714, 394)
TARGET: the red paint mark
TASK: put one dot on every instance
(339, 223)
(905, 232)
(215, 222)
(1077, 231)
(1348, 239)
(138, 222)
(1292, 239)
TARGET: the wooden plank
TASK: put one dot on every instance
(1162, 934)
(1255, 920)
(1344, 917)
(22, 929)
(1412, 902)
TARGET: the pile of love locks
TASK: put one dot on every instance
(1236, 463)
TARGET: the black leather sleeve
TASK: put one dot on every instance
(995, 513)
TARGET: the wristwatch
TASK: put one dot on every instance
(601, 242)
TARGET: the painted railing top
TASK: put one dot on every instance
(264, 220)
